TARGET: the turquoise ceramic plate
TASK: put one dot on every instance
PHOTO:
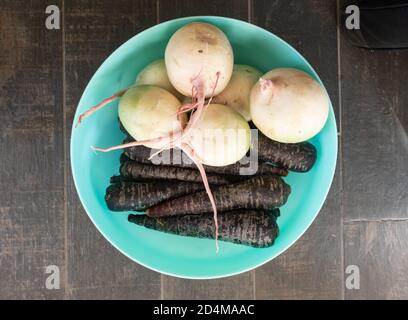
(171, 254)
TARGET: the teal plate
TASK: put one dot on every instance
(170, 254)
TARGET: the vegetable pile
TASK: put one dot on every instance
(192, 121)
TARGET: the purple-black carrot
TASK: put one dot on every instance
(140, 171)
(125, 196)
(247, 227)
(260, 193)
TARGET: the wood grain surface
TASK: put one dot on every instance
(380, 250)
(375, 168)
(375, 145)
(31, 162)
(168, 10)
(42, 76)
(95, 268)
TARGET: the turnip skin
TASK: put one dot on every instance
(149, 112)
(236, 94)
(199, 51)
(289, 106)
(155, 74)
(221, 136)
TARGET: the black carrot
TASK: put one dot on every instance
(298, 157)
(247, 227)
(123, 158)
(118, 179)
(140, 153)
(177, 158)
(260, 192)
(124, 196)
(140, 171)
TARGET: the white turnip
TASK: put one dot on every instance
(289, 106)
(197, 55)
(236, 94)
(155, 74)
(221, 136)
(149, 112)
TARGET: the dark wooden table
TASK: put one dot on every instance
(42, 75)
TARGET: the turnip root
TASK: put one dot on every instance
(236, 94)
(289, 106)
(221, 136)
(100, 105)
(198, 51)
(148, 112)
(155, 74)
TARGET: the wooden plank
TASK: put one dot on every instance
(312, 268)
(380, 250)
(120, 291)
(236, 287)
(93, 31)
(32, 229)
(375, 146)
(241, 286)
(237, 9)
(31, 151)
(402, 113)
